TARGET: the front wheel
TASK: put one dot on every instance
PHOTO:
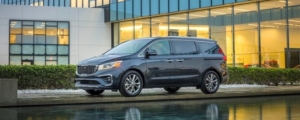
(210, 82)
(94, 92)
(131, 84)
(172, 89)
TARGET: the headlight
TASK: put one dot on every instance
(110, 65)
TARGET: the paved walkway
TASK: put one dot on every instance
(32, 99)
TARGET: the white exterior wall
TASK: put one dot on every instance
(89, 34)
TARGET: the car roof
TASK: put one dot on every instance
(190, 38)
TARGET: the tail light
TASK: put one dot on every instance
(224, 56)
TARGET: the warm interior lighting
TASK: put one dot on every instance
(130, 28)
(218, 12)
(183, 28)
(252, 24)
(284, 1)
(239, 9)
(294, 20)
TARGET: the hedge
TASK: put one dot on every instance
(62, 76)
(263, 76)
(40, 77)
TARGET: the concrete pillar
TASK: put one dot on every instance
(8, 92)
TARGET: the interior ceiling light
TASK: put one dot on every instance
(294, 20)
(239, 9)
(218, 12)
(283, 1)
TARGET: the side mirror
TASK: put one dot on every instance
(151, 52)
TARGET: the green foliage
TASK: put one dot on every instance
(40, 77)
(62, 76)
(263, 76)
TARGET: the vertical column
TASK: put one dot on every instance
(259, 33)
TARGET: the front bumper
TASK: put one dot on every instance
(100, 80)
(93, 83)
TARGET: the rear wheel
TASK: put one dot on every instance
(131, 84)
(172, 89)
(210, 83)
(94, 92)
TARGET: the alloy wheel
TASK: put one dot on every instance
(211, 82)
(132, 83)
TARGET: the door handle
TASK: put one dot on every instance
(179, 60)
(169, 60)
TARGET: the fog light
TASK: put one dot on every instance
(107, 79)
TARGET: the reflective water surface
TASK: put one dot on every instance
(258, 108)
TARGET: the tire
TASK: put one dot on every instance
(94, 92)
(131, 84)
(210, 82)
(172, 89)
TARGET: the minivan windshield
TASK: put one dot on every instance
(128, 47)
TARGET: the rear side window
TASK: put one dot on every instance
(184, 47)
(208, 47)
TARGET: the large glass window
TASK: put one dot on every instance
(205, 3)
(229, 1)
(173, 5)
(183, 4)
(221, 30)
(154, 7)
(159, 26)
(194, 4)
(164, 6)
(137, 8)
(246, 35)
(113, 10)
(217, 2)
(178, 25)
(273, 34)
(145, 7)
(142, 28)
(121, 9)
(67, 3)
(73, 3)
(98, 2)
(198, 24)
(85, 3)
(294, 23)
(106, 2)
(116, 34)
(126, 31)
(33, 42)
(128, 9)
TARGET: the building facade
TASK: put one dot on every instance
(251, 32)
(51, 35)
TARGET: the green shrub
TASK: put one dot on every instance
(62, 76)
(40, 77)
(262, 76)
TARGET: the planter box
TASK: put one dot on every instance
(8, 92)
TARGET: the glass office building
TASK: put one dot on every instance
(252, 32)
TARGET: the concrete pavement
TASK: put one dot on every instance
(33, 99)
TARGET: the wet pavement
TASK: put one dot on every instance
(31, 99)
(250, 108)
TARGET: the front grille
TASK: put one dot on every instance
(89, 82)
(86, 69)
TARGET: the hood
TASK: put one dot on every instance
(101, 59)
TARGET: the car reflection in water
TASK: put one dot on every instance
(171, 111)
(286, 107)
